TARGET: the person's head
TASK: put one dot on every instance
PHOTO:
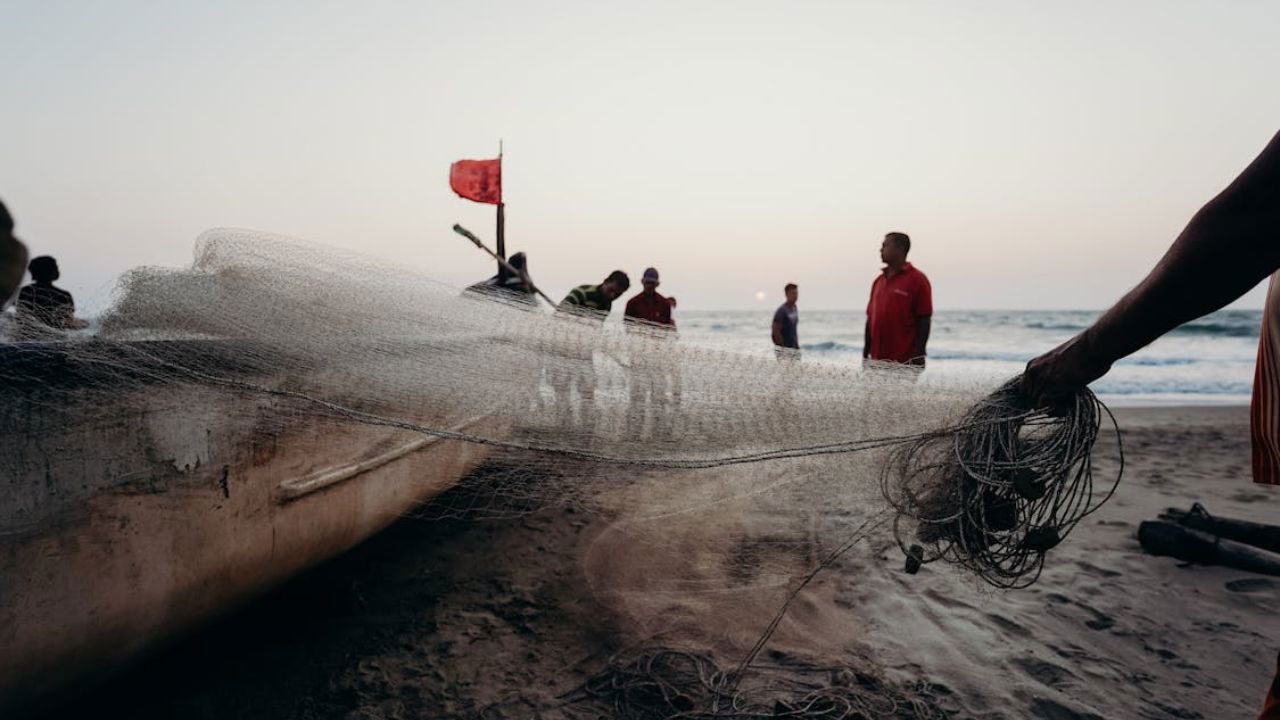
(894, 249)
(6, 221)
(649, 280)
(616, 284)
(43, 269)
(792, 291)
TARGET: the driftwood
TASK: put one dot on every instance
(1160, 537)
(1256, 534)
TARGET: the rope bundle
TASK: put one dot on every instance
(1001, 488)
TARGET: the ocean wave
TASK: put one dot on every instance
(830, 346)
(1159, 361)
(1207, 388)
(1249, 330)
(1020, 358)
(1073, 327)
(1244, 328)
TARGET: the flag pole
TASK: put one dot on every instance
(502, 229)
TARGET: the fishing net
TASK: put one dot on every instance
(727, 482)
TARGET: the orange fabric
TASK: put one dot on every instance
(1271, 706)
(478, 180)
(1264, 410)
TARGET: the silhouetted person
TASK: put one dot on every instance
(41, 306)
(13, 258)
(786, 324)
(507, 285)
(1230, 245)
(900, 311)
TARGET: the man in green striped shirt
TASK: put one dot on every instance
(575, 366)
(596, 300)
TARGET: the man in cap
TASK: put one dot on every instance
(649, 306)
(654, 371)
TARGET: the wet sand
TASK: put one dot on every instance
(497, 618)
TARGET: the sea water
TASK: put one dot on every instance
(1209, 360)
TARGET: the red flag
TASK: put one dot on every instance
(478, 180)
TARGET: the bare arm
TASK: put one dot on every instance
(866, 340)
(1230, 245)
(923, 324)
(777, 333)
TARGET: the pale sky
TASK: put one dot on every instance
(1041, 155)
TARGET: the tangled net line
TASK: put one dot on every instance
(670, 684)
(1002, 488)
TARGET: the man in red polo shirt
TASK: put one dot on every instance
(900, 309)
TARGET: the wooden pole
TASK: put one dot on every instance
(502, 224)
(502, 239)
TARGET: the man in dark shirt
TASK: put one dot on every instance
(786, 324)
(575, 366)
(43, 307)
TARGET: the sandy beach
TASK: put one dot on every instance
(466, 617)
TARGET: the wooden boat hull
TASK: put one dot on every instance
(175, 504)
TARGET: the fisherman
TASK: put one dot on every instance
(42, 306)
(1230, 245)
(900, 310)
(596, 300)
(509, 286)
(786, 324)
(575, 366)
(656, 372)
(13, 258)
(648, 305)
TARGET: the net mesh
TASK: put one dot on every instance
(726, 480)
